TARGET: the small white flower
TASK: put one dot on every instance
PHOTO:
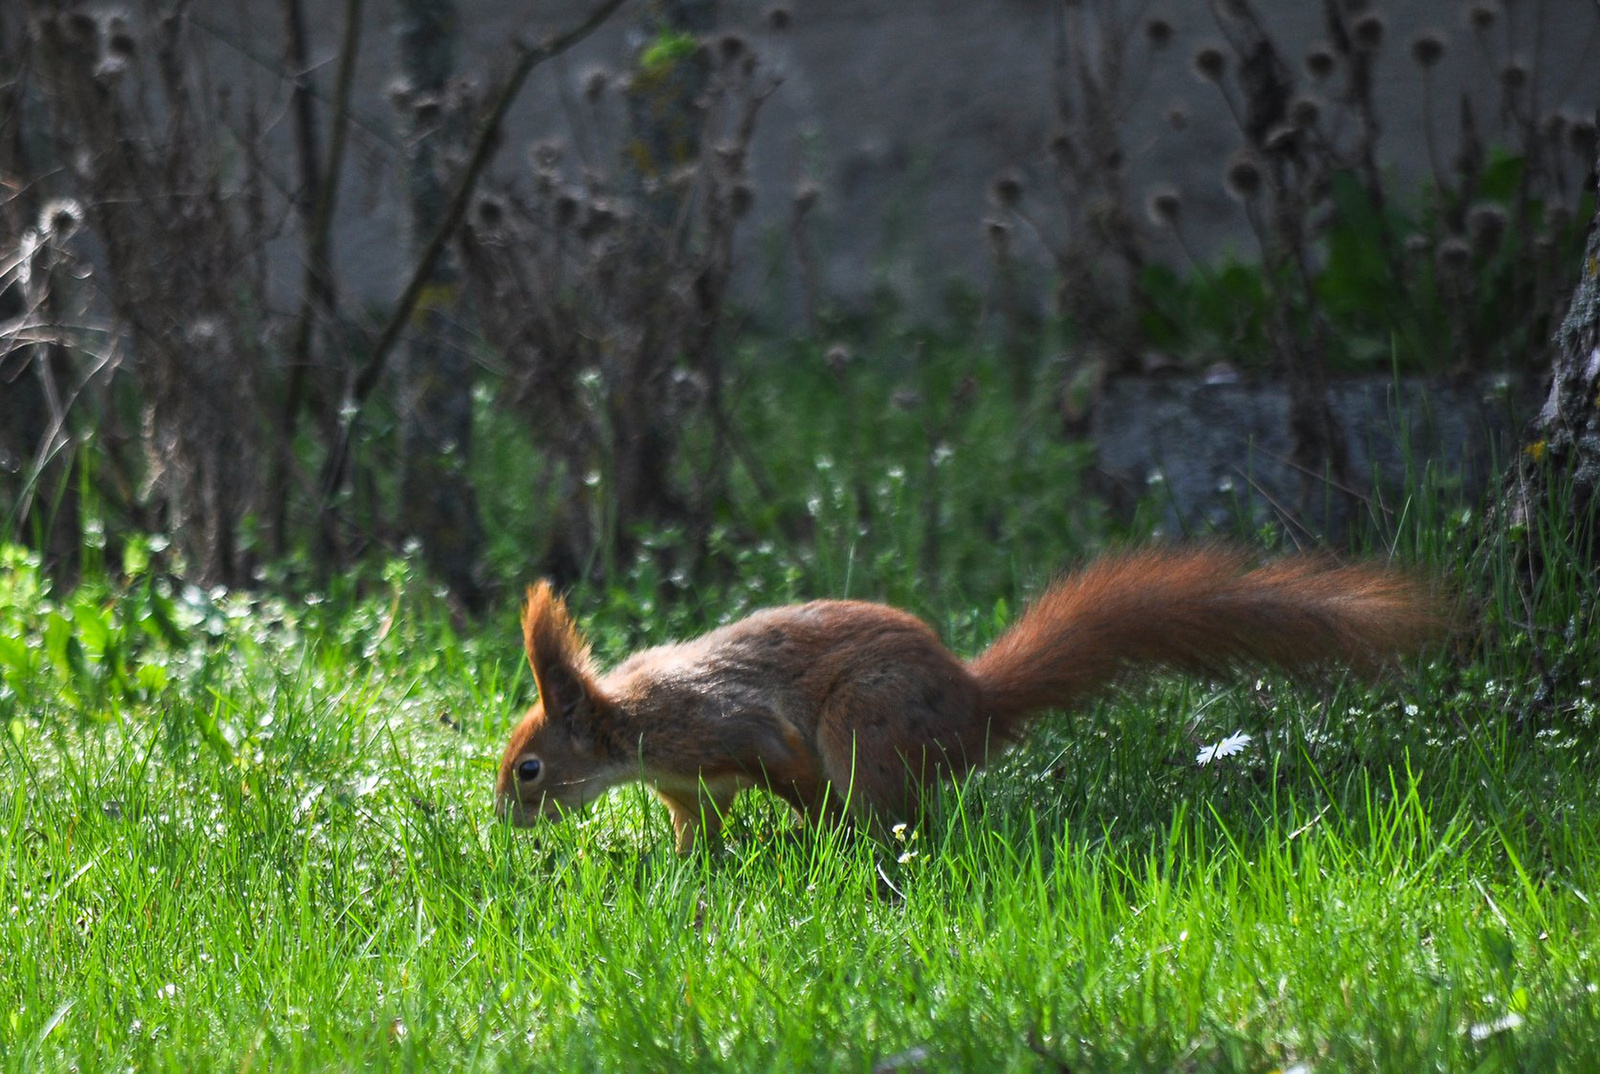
(1234, 743)
(1504, 1024)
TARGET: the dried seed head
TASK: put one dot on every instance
(82, 27)
(999, 235)
(1242, 178)
(1427, 49)
(111, 68)
(204, 332)
(1281, 138)
(686, 389)
(60, 218)
(1006, 191)
(426, 110)
(565, 210)
(740, 200)
(1513, 76)
(1486, 224)
(965, 391)
(1164, 206)
(595, 82)
(1210, 64)
(1305, 111)
(805, 196)
(1367, 31)
(680, 178)
(780, 19)
(399, 92)
(1481, 18)
(546, 154)
(730, 47)
(731, 155)
(1321, 62)
(599, 222)
(491, 212)
(838, 359)
(1454, 255)
(1158, 32)
(1581, 137)
(905, 399)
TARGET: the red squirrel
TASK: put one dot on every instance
(848, 709)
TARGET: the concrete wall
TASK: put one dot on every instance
(902, 112)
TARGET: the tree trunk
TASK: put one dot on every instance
(438, 506)
(1555, 477)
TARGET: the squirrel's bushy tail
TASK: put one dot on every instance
(1199, 610)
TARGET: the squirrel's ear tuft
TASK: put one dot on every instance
(560, 660)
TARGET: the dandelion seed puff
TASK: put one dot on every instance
(60, 218)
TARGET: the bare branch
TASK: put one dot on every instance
(488, 141)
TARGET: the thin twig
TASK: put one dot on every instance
(318, 295)
(488, 141)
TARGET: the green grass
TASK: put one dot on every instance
(256, 834)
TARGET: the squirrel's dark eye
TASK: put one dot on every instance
(528, 770)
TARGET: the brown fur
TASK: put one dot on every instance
(844, 707)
